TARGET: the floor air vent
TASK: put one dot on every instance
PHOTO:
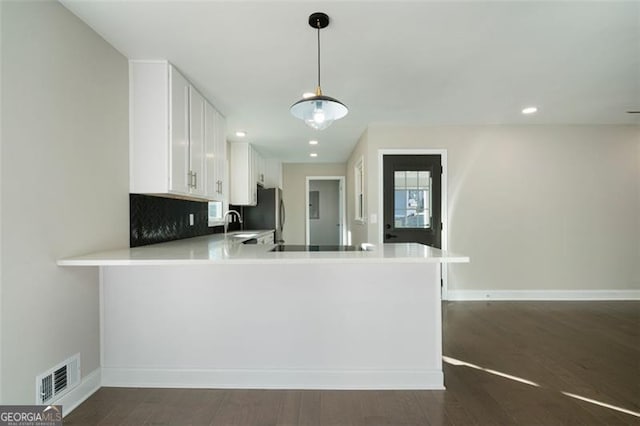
(58, 381)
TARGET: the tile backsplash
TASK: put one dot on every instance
(157, 219)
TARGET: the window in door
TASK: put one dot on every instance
(412, 199)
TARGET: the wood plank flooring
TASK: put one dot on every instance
(589, 349)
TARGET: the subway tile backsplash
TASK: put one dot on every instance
(157, 219)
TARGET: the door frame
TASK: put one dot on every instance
(445, 220)
(342, 211)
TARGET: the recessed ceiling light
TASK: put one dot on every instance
(530, 110)
(307, 95)
(241, 133)
(313, 154)
(313, 142)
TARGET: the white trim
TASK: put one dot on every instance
(444, 185)
(544, 295)
(273, 379)
(101, 311)
(306, 211)
(76, 396)
(341, 206)
(358, 180)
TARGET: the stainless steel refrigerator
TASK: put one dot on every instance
(269, 213)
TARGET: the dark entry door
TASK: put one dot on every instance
(412, 199)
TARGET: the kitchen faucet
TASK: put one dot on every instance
(226, 222)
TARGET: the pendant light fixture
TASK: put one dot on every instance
(319, 111)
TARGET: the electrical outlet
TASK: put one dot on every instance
(191, 220)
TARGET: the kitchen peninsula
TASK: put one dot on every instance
(213, 312)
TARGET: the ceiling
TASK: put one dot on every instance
(414, 63)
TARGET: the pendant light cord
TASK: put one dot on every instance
(318, 24)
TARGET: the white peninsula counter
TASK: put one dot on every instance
(210, 312)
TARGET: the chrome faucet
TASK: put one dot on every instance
(226, 222)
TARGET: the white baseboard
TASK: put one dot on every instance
(566, 295)
(76, 396)
(274, 379)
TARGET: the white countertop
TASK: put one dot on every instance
(215, 249)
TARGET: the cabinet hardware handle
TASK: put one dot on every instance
(195, 180)
(190, 181)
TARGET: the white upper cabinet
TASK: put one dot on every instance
(177, 144)
(243, 171)
(248, 169)
(272, 173)
(268, 171)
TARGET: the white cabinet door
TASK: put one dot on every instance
(273, 173)
(215, 154)
(244, 191)
(179, 133)
(197, 176)
(266, 239)
(260, 169)
(254, 167)
(211, 186)
(221, 157)
(253, 176)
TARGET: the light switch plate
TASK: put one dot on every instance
(373, 218)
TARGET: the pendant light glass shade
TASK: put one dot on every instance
(319, 111)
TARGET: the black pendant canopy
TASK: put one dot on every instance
(318, 20)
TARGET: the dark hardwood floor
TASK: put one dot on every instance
(508, 363)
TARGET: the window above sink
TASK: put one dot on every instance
(216, 209)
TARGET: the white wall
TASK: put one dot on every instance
(64, 186)
(324, 230)
(293, 193)
(535, 207)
